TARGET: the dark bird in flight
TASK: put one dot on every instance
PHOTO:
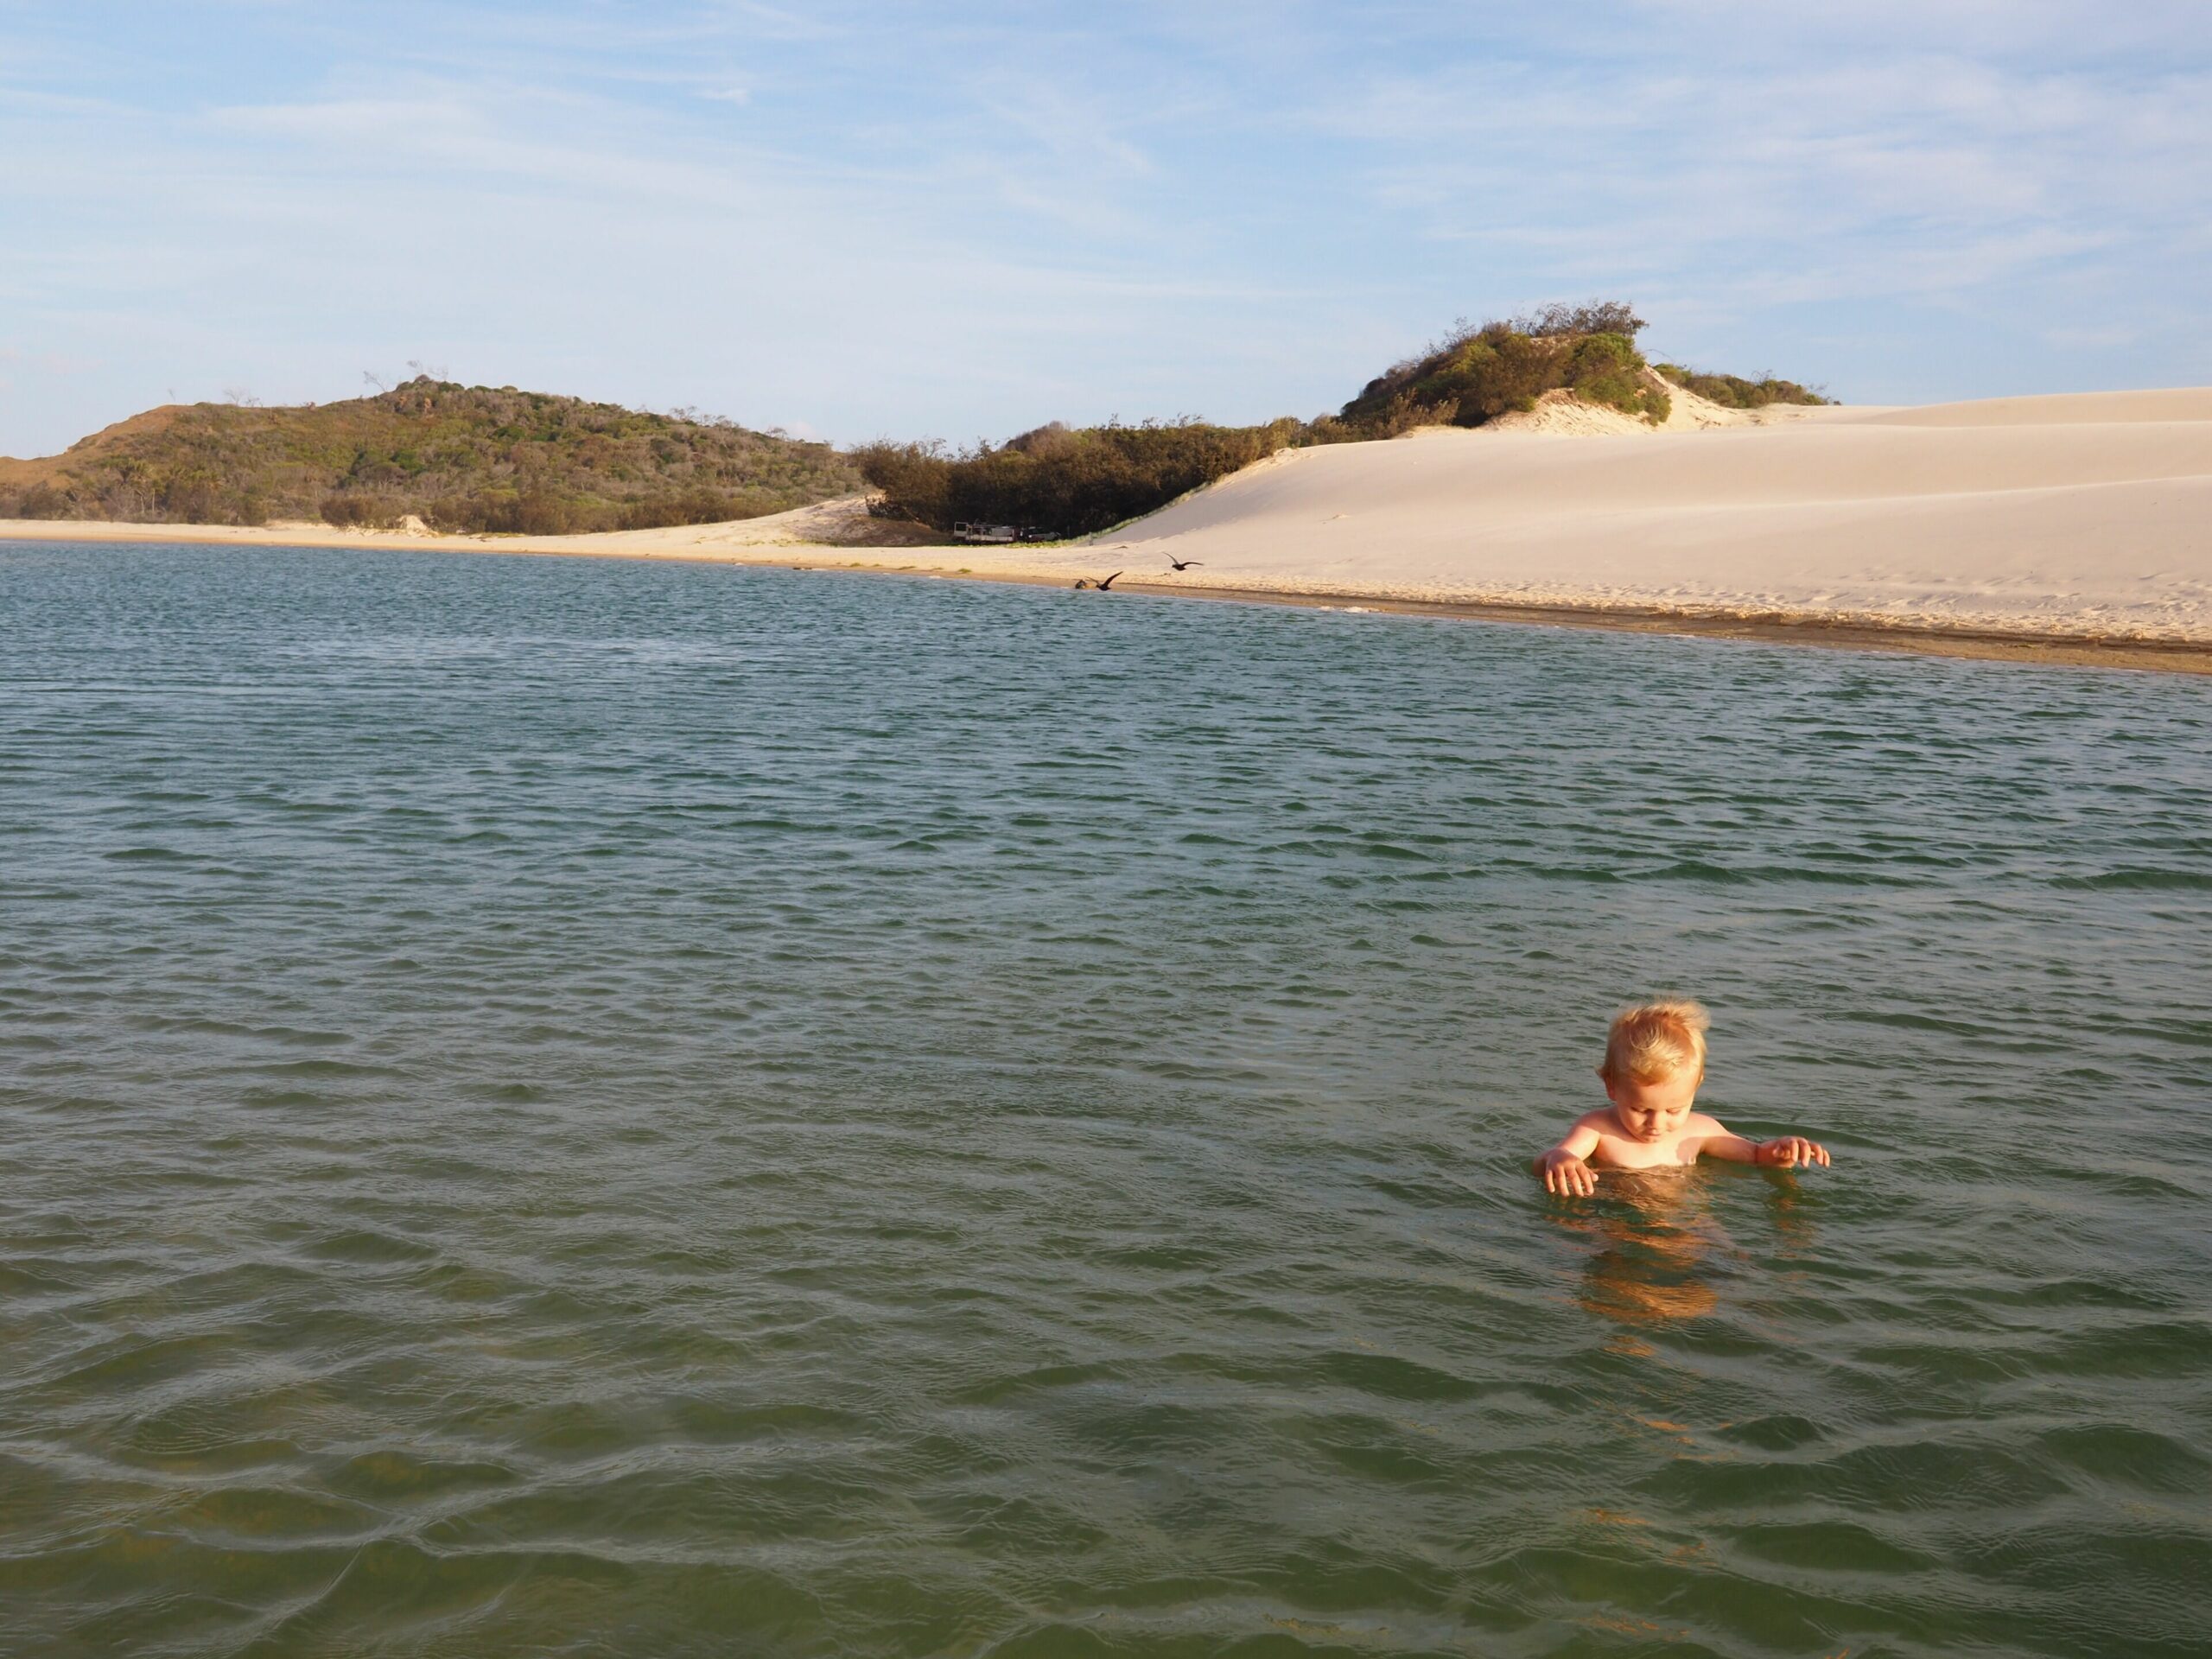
(1174, 563)
(1102, 585)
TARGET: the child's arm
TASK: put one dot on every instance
(1562, 1167)
(1783, 1151)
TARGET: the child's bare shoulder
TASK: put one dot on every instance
(1705, 1123)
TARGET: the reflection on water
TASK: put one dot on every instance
(1656, 1244)
(1651, 1233)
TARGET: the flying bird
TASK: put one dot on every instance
(1174, 563)
(1102, 585)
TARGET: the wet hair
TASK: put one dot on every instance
(1654, 1041)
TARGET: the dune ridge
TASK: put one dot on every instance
(2083, 516)
(2072, 518)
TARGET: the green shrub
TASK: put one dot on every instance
(195, 497)
(1061, 482)
(1406, 410)
(1733, 391)
(42, 500)
(1476, 374)
(1496, 371)
(1608, 368)
(912, 480)
(547, 512)
(350, 511)
(699, 506)
(1597, 317)
(485, 512)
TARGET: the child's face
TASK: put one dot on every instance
(1652, 1111)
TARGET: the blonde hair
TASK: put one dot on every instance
(1656, 1041)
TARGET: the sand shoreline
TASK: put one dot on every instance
(2073, 529)
(1822, 630)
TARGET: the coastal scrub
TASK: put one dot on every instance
(461, 458)
(1060, 481)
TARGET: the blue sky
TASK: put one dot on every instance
(963, 219)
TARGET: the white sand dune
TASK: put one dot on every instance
(2070, 409)
(2086, 517)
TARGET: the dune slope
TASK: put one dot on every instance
(2087, 515)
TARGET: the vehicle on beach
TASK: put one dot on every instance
(965, 531)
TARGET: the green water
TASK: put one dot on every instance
(561, 1107)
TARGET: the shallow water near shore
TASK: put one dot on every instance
(560, 1106)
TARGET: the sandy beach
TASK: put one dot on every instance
(2071, 528)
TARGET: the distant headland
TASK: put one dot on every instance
(459, 460)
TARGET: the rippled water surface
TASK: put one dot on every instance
(555, 1106)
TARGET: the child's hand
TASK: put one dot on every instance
(1788, 1151)
(1567, 1175)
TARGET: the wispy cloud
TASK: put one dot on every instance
(965, 218)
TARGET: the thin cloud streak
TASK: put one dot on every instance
(871, 222)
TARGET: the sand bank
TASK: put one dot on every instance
(2072, 528)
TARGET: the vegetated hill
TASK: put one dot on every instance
(462, 458)
(1055, 481)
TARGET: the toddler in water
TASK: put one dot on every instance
(1654, 1059)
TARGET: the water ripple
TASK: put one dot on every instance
(558, 1106)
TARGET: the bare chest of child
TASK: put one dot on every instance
(1625, 1151)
